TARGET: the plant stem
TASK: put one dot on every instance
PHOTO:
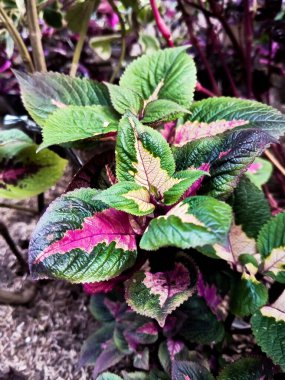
(35, 35)
(7, 237)
(274, 161)
(162, 27)
(248, 46)
(90, 6)
(196, 45)
(9, 25)
(20, 208)
(123, 41)
(204, 90)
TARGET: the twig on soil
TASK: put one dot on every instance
(19, 208)
(9, 25)
(7, 237)
(18, 298)
(35, 35)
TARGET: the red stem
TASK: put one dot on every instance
(248, 46)
(162, 27)
(166, 34)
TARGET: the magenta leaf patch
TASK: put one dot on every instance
(81, 240)
(157, 294)
(195, 130)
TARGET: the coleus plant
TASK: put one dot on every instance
(177, 183)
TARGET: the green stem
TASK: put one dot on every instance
(35, 35)
(10, 27)
(90, 6)
(123, 41)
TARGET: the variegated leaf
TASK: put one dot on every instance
(194, 222)
(274, 264)
(144, 157)
(194, 130)
(268, 326)
(228, 156)
(271, 243)
(44, 93)
(81, 240)
(129, 197)
(23, 173)
(156, 295)
(248, 295)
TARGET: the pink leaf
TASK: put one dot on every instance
(103, 227)
(148, 328)
(195, 130)
(174, 347)
(167, 284)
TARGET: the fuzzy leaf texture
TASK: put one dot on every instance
(196, 221)
(271, 245)
(81, 240)
(243, 369)
(183, 370)
(145, 158)
(44, 93)
(250, 207)
(156, 295)
(228, 156)
(201, 325)
(129, 197)
(268, 326)
(166, 74)
(248, 295)
(75, 123)
(23, 173)
(259, 116)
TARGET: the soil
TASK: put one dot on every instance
(42, 339)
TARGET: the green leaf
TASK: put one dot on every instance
(194, 222)
(247, 296)
(44, 93)
(75, 14)
(166, 74)
(79, 123)
(144, 157)
(250, 207)
(99, 309)
(259, 116)
(156, 295)
(102, 45)
(268, 326)
(109, 376)
(141, 359)
(228, 156)
(24, 173)
(201, 326)
(81, 240)
(243, 369)
(271, 245)
(138, 375)
(162, 110)
(259, 172)
(129, 197)
(52, 17)
(183, 370)
(149, 43)
(187, 179)
(123, 99)
(170, 350)
(92, 347)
